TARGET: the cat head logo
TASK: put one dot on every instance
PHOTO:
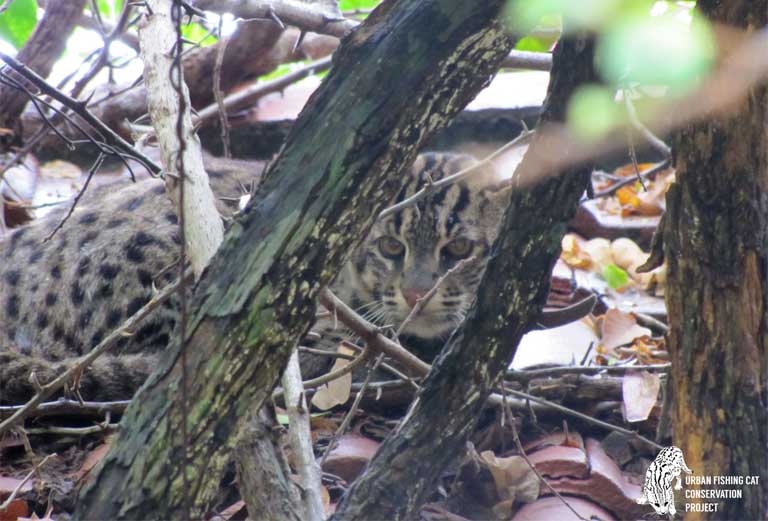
(657, 488)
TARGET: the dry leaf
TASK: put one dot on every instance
(640, 391)
(16, 510)
(619, 328)
(572, 254)
(335, 392)
(513, 477)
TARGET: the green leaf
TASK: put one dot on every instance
(656, 50)
(616, 277)
(197, 33)
(18, 21)
(110, 9)
(525, 15)
(592, 112)
(351, 5)
(533, 44)
(282, 419)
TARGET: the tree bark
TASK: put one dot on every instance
(391, 87)
(714, 243)
(511, 295)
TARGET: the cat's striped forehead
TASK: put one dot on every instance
(459, 209)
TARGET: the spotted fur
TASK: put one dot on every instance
(60, 298)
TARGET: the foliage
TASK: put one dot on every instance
(616, 277)
(18, 22)
(350, 5)
(639, 43)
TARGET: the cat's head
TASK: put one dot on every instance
(407, 252)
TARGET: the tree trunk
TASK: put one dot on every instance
(392, 85)
(714, 243)
(511, 295)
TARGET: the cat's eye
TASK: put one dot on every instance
(459, 248)
(391, 247)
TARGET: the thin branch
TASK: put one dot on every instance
(70, 408)
(657, 143)
(522, 139)
(84, 361)
(655, 169)
(300, 439)
(526, 375)
(74, 431)
(79, 108)
(536, 61)
(516, 436)
(497, 399)
(21, 484)
(284, 12)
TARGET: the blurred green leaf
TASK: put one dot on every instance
(197, 33)
(18, 22)
(656, 50)
(531, 43)
(110, 9)
(351, 5)
(616, 277)
(592, 112)
(584, 14)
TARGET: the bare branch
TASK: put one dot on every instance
(290, 12)
(300, 438)
(535, 61)
(203, 228)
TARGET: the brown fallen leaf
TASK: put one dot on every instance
(640, 391)
(619, 328)
(335, 392)
(513, 477)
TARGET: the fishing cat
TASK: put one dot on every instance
(61, 297)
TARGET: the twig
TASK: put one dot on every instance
(79, 108)
(93, 169)
(649, 136)
(422, 301)
(75, 431)
(524, 376)
(497, 399)
(655, 169)
(288, 12)
(70, 407)
(84, 361)
(523, 138)
(536, 61)
(250, 95)
(18, 488)
(507, 413)
(219, 95)
(352, 410)
(300, 439)
(372, 335)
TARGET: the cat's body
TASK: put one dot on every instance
(657, 488)
(60, 298)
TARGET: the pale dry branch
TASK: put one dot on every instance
(203, 228)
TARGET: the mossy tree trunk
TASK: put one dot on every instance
(411, 66)
(509, 299)
(715, 246)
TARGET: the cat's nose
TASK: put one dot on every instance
(412, 295)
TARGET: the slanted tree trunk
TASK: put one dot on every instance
(714, 243)
(411, 66)
(509, 299)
